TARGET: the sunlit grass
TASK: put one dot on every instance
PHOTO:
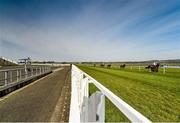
(155, 95)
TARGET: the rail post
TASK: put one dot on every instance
(85, 93)
(25, 70)
(17, 75)
(20, 74)
(31, 71)
(36, 71)
(96, 107)
(5, 77)
(40, 70)
(11, 77)
(164, 70)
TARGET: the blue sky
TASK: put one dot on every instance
(90, 30)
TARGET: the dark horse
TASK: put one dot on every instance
(109, 66)
(122, 66)
(154, 67)
(102, 65)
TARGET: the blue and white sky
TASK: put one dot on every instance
(90, 30)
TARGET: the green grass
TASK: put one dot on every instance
(110, 109)
(155, 95)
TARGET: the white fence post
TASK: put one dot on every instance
(36, 71)
(84, 96)
(25, 70)
(101, 108)
(11, 76)
(74, 115)
(5, 77)
(96, 111)
(31, 71)
(17, 75)
(164, 70)
(20, 74)
(39, 68)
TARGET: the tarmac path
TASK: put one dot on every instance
(35, 102)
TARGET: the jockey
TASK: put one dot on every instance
(154, 63)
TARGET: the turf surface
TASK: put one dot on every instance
(155, 95)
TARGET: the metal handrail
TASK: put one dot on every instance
(15, 75)
(21, 68)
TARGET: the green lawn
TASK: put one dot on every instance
(155, 95)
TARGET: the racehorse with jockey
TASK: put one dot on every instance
(154, 67)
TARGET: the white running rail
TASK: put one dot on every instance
(79, 92)
(166, 66)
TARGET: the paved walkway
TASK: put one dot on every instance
(37, 101)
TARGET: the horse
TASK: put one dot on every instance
(156, 67)
(122, 66)
(149, 66)
(153, 67)
(101, 65)
(109, 66)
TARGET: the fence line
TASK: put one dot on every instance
(170, 66)
(12, 76)
(9, 60)
(79, 94)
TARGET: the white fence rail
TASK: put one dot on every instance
(170, 66)
(80, 95)
(166, 67)
(12, 76)
(9, 60)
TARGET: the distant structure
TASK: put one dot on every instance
(26, 61)
(7, 62)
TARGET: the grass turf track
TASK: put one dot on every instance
(155, 95)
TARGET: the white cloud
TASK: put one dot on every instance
(94, 34)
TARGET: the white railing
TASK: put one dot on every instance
(9, 60)
(13, 76)
(166, 66)
(79, 94)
